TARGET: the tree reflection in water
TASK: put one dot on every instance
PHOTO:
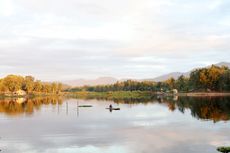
(20, 106)
(204, 108)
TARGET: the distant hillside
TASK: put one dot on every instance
(223, 64)
(175, 75)
(167, 76)
(93, 82)
(111, 80)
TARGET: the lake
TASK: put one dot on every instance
(161, 125)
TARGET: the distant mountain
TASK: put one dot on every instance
(111, 80)
(167, 76)
(223, 64)
(176, 75)
(93, 82)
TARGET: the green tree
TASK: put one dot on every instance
(171, 83)
(182, 83)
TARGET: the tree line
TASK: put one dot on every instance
(214, 78)
(13, 83)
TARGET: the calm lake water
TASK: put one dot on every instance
(58, 125)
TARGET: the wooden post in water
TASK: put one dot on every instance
(66, 108)
(77, 109)
(58, 109)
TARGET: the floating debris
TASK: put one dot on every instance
(85, 106)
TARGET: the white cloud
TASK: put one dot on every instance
(133, 36)
(215, 4)
(6, 8)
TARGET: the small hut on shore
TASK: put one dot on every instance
(175, 91)
(19, 93)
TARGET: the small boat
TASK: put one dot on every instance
(113, 108)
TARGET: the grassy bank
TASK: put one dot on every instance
(112, 95)
(30, 95)
(203, 94)
(117, 95)
(134, 96)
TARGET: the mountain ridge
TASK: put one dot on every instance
(91, 82)
(112, 80)
(176, 75)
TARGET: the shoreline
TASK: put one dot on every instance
(204, 94)
(125, 94)
(31, 95)
(144, 94)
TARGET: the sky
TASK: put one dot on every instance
(71, 39)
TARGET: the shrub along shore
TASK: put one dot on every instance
(15, 85)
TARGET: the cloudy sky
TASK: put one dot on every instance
(70, 39)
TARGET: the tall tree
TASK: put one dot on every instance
(28, 84)
(13, 82)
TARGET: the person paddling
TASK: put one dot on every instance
(110, 106)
